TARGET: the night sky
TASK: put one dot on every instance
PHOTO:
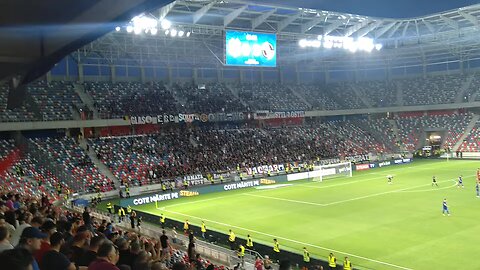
(378, 8)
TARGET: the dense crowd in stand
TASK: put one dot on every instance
(131, 98)
(317, 97)
(35, 234)
(209, 98)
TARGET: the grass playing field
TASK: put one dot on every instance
(379, 226)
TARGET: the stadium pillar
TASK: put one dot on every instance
(242, 76)
(48, 76)
(169, 78)
(142, 74)
(219, 74)
(80, 73)
(195, 75)
(112, 74)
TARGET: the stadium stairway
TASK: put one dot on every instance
(86, 98)
(362, 97)
(235, 94)
(469, 128)
(299, 96)
(465, 86)
(394, 126)
(102, 168)
(399, 101)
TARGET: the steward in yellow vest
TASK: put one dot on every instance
(110, 208)
(249, 242)
(347, 265)
(276, 246)
(332, 261)
(241, 251)
(306, 256)
(203, 229)
(231, 240)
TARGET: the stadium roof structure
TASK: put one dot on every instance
(37, 34)
(443, 37)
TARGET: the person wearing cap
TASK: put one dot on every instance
(48, 228)
(107, 257)
(53, 259)
(31, 241)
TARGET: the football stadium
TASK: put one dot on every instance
(239, 134)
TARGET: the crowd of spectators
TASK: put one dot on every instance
(317, 96)
(117, 100)
(35, 234)
(207, 98)
(20, 114)
(472, 93)
(178, 152)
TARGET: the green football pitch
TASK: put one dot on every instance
(379, 226)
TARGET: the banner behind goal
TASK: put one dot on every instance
(322, 172)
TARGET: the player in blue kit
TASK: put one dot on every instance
(445, 207)
(434, 181)
(460, 182)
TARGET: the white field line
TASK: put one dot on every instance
(293, 241)
(312, 185)
(352, 199)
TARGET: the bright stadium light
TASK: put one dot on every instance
(173, 33)
(181, 33)
(117, 28)
(302, 43)
(166, 24)
(153, 31)
(167, 32)
(129, 29)
(137, 30)
(378, 46)
(188, 34)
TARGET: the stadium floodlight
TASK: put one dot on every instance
(188, 34)
(166, 24)
(117, 28)
(129, 29)
(137, 30)
(167, 32)
(173, 32)
(378, 46)
(181, 33)
(153, 31)
(302, 43)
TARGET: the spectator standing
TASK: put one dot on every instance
(91, 254)
(16, 259)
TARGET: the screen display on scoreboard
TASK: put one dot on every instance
(250, 49)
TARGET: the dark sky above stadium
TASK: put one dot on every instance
(379, 8)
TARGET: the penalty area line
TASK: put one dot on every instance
(292, 241)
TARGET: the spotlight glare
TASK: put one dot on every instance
(188, 34)
(302, 43)
(117, 28)
(166, 24)
(129, 29)
(167, 32)
(137, 30)
(378, 47)
(181, 33)
(153, 31)
(173, 33)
